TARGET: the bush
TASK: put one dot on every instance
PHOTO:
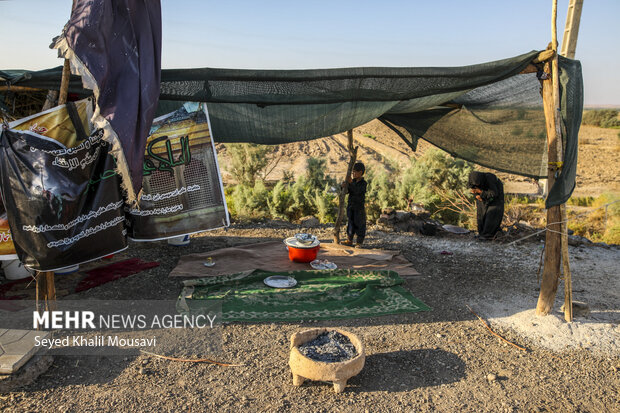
(435, 180)
(249, 202)
(601, 224)
(324, 203)
(280, 200)
(310, 194)
(382, 192)
(247, 161)
(584, 201)
(611, 123)
(439, 182)
(605, 118)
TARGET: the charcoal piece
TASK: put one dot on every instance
(329, 347)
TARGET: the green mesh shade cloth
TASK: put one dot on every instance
(490, 113)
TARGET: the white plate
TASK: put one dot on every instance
(323, 265)
(280, 281)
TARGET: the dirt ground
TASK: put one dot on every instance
(441, 360)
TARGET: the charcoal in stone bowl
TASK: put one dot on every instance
(329, 347)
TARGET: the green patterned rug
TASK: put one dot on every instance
(319, 295)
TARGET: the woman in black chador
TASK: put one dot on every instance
(489, 193)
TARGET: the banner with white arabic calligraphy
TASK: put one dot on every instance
(64, 205)
(182, 191)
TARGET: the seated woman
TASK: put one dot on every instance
(489, 193)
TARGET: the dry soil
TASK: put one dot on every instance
(441, 360)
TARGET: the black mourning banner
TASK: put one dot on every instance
(64, 205)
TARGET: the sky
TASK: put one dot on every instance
(293, 34)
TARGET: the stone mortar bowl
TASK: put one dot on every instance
(304, 368)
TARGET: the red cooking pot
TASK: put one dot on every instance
(299, 252)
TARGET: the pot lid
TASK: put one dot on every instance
(295, 243)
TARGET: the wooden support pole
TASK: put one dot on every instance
(551, 271)
(571, 29)
(343, 192)
(568, 283)
(50, 100)
(45, 290)
(555, 218)
(45, 285)
(19, 89)
(64, 83)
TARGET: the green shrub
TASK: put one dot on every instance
(382, 192)
(324, 203)
(435, 180)
(280, 200)
(310, 194)
(301, 204)
(247, 161)
(439, 182)
(601, 117)
(611, 199)
(249, 202)
(611, 123)
(600, 224)
(584, 201)
(517, 199)
(315, 173)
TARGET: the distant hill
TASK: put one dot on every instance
(598, 168)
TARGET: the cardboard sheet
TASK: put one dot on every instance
(273, 256)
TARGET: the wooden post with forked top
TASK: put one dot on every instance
(556, 243)
(342, 191)
(45, 284)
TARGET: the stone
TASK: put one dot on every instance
(580, 309)
(309, 222)
(401, 227)
(383, 220)
(415, 226)
(428, 229)
(576, 240)
(418, 209)
(388, 211)
(402, 216)
(491, 377)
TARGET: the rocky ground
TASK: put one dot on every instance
(441, 360)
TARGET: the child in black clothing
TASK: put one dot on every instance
(356, 206)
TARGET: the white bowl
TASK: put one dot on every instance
(15, 270)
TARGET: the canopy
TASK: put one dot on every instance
(489, 113)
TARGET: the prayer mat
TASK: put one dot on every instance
(318, 295)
